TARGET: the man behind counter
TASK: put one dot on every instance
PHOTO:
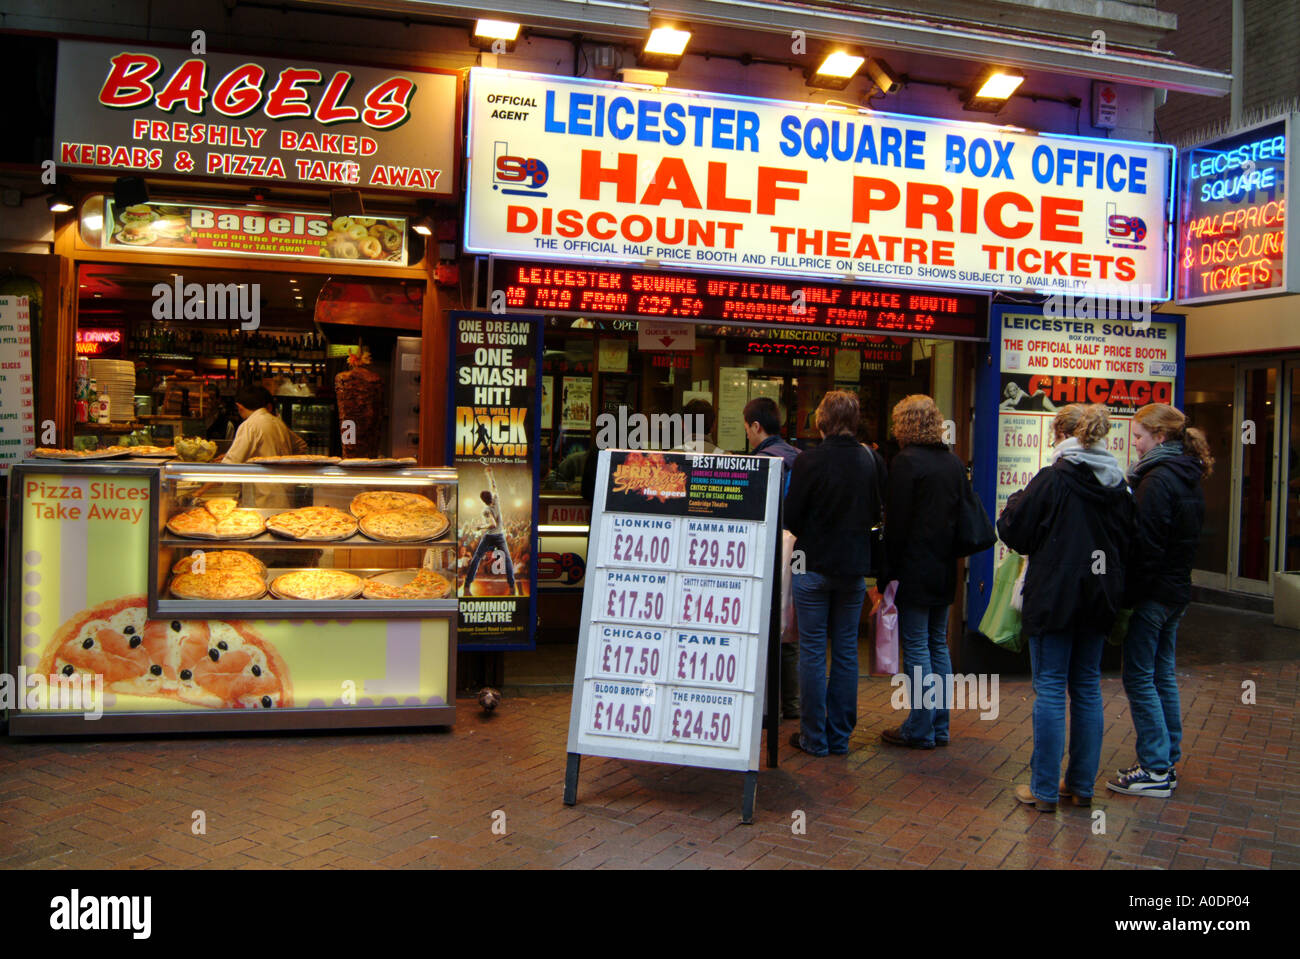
(262, 433)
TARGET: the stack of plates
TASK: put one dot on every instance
(117, 379)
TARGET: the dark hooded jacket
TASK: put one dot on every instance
(1060, 521)
(1170, 512)
(924, 493)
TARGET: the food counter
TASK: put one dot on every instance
(189, 596)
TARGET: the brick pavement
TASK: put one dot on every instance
(425, 799)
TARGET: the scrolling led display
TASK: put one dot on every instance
(571, 288)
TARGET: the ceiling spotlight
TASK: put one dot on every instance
(885, 79)
(990, 92)
(495, 36)
(423, 225)
(664, 48)
(835, 71)
(60, 202)
(649, 78)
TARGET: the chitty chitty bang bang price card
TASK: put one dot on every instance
(676, 610)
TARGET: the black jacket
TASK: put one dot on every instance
(831, 505)
(1059, 521)
(1170, 511)
(776, 446)
(925, 487)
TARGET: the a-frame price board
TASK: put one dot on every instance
(676, 612)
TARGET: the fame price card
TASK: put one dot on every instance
(705, 658)
(715, 603)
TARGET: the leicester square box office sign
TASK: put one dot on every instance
(140, 109)
(563, 168)
(1232, 206)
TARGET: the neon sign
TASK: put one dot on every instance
(1233, 210)
(91, 341)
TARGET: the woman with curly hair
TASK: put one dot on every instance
(1170, 511)
(1073, 522)
(921, 503)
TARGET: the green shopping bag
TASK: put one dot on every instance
(1001, 623)
(1120, 629)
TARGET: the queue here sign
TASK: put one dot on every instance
(619, 173)
(1232, 197)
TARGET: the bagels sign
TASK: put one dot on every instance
(160, 110)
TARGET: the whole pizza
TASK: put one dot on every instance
(404, 525)
(425, 585)
(381, 501)
(228, 560)
(316, 584)
(213, 663)
(218, 584)
(203, 523)
(316, 523)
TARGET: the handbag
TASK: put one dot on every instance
(1018, 590)
(1001, 623)
(974, 530)
(886, 616)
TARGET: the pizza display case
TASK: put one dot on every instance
(306, 534)
(93, 631)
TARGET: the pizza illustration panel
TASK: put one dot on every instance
(212, 663)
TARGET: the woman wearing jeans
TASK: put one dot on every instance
(830, 506)
(925, 487)
(1074, 522)
(1170, 511)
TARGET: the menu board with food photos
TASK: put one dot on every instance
(676, 610)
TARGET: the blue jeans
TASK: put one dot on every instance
(1152, 685)
(495, 542)
(1066, 660)
(828, 607)
(923, 636)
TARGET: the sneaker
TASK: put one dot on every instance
(1173, 774)
(1138, 782)
(796, 740)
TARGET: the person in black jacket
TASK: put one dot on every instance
(924, 494)
(763, 431)
(1170, 511)
(830, 506)
(1074, 523)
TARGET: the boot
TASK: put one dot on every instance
(790, 680)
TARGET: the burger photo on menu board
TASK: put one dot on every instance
(138, 232)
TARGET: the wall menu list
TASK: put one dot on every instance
(17, 398)
(676, 609)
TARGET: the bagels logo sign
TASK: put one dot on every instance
(159, 110)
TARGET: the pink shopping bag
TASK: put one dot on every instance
(886, 617)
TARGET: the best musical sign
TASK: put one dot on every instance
(561, 167)
(162, 110)
(1232, 199)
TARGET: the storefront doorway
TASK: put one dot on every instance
(1250, 411)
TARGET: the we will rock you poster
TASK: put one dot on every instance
(493, 434)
